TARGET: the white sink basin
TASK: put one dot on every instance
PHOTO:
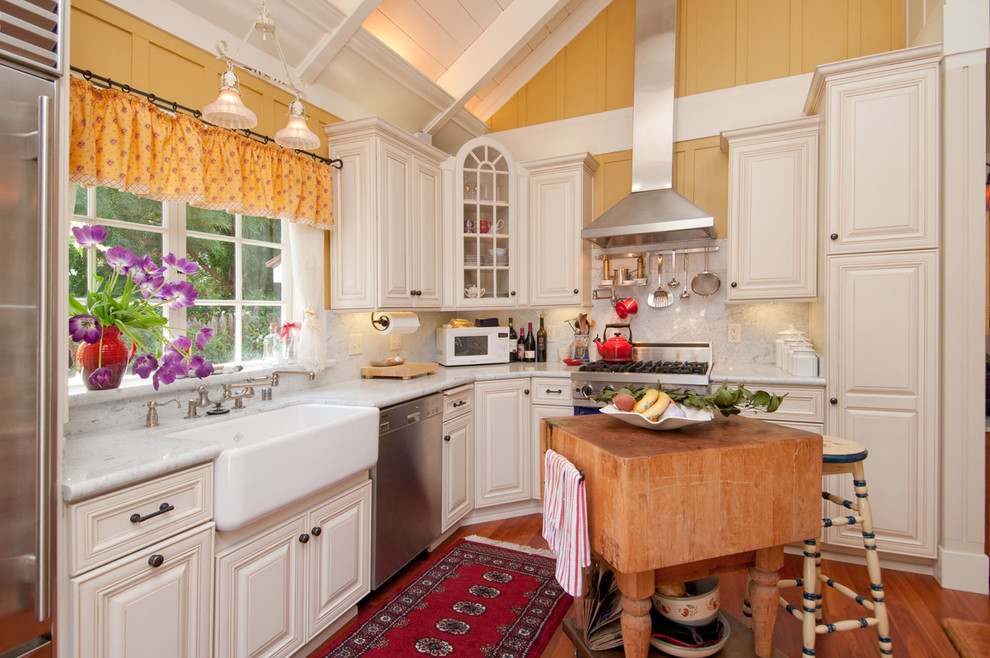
(273, 458)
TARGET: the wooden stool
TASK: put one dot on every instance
(839, 456)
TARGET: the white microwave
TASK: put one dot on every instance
(471, 346)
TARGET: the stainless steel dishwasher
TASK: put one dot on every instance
(407, 484)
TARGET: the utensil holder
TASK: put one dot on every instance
(581, 344)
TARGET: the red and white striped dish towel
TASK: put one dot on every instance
(565, 521)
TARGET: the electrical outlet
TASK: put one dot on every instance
(735, 333)
(357, 344)
(395, 342)
(550, 334)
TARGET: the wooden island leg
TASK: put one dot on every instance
(763, 597)
(636, 590)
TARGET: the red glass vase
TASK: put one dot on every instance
(109, 352)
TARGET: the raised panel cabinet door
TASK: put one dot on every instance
(425, 257)
(537, 414)
(773, 211)
(260, 594)
(503, 448)
(154, 603)
(397, 225)
(458, 469)
(881, 183)
(882, 333)
(353, 240)
(339, 552)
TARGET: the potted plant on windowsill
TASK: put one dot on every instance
(127, 304)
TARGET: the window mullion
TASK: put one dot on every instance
(175, 217)
(238, 290)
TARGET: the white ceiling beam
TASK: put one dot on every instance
(330, 44)
(507, 34)
(542, 55)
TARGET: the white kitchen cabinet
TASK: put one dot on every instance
(560, 205)
(503, 442)
(773, 211)
(880, 151)
(488, 259)
(882, 347)
(551, 398)
(386, 242)
(282, 586)
(154, 603)
(458, 469)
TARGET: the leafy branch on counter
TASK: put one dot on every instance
(727, 401)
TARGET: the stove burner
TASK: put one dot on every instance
(649, 367)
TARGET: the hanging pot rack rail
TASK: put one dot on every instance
(174, 107)
(612, 254)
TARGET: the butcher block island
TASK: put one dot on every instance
(665, 507)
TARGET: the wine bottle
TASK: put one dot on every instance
(521, 345)
(513, 342)
(541, 342)
(530, 344)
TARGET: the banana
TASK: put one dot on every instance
(648, 399)
(658, 407)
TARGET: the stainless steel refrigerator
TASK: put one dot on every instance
(29, 348)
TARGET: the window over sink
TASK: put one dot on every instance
(242, 264)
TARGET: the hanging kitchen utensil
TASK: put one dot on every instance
(673, 271)
(659, 298)
(706, 283)
(684, 293)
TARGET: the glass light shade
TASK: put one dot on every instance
(228, 111)
(296, 134)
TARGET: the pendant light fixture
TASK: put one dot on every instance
(228, 111)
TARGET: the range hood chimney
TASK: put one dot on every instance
(654, 212)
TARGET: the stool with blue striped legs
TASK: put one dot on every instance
(840, 457)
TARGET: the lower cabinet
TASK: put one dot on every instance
(458, 469)
(551, 398)
(278, 589)
(154, 602)
(502, 432)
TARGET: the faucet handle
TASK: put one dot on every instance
(152, 418)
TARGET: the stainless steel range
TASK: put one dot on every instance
(673, 365)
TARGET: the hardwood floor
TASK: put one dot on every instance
(915, 603)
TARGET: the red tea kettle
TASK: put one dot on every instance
(616, 349)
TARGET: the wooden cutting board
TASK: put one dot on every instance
(404, 370)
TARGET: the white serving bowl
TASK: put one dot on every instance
(698, 608)
(693, 652)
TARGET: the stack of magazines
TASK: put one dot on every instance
(602, 610)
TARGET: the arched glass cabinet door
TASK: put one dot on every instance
(487, 249)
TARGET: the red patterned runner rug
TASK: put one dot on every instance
(480, 598)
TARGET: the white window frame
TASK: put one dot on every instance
(174, 233)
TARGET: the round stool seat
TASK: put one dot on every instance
(841, 451)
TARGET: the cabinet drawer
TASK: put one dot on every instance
(101, 529)
(552, 390)
(802, 404)
(458, 401)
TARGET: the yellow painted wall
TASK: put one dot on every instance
(112, 43)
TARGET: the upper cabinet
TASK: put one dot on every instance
(880, 155)
(560, 204)
(773, 211)
(489, 254)
(386, 241)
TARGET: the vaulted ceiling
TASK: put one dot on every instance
(442, 67)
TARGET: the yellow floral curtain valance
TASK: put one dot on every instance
(127, 143)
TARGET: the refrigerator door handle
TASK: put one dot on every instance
(44, 543)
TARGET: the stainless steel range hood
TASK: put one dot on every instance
(654, 212)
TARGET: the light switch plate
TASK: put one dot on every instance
(357, 344)
(395, 342)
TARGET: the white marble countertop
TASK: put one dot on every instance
(97, 462)
(763, 374)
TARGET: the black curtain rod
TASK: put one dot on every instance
(172, 106)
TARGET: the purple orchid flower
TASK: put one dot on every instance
(181, 264)
(87, 236)
(203, 336)
(200, 366)
(84, 327)
(173, 365)
(101, 378)
(165, 291)
(144, 365)
(183, 294)
(150, 285)
(182, 343)
(145, 269)
(120, 259)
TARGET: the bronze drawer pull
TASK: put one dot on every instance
(164, 507)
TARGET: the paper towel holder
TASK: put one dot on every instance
(381, 322)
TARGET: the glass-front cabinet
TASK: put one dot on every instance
(488, 251)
